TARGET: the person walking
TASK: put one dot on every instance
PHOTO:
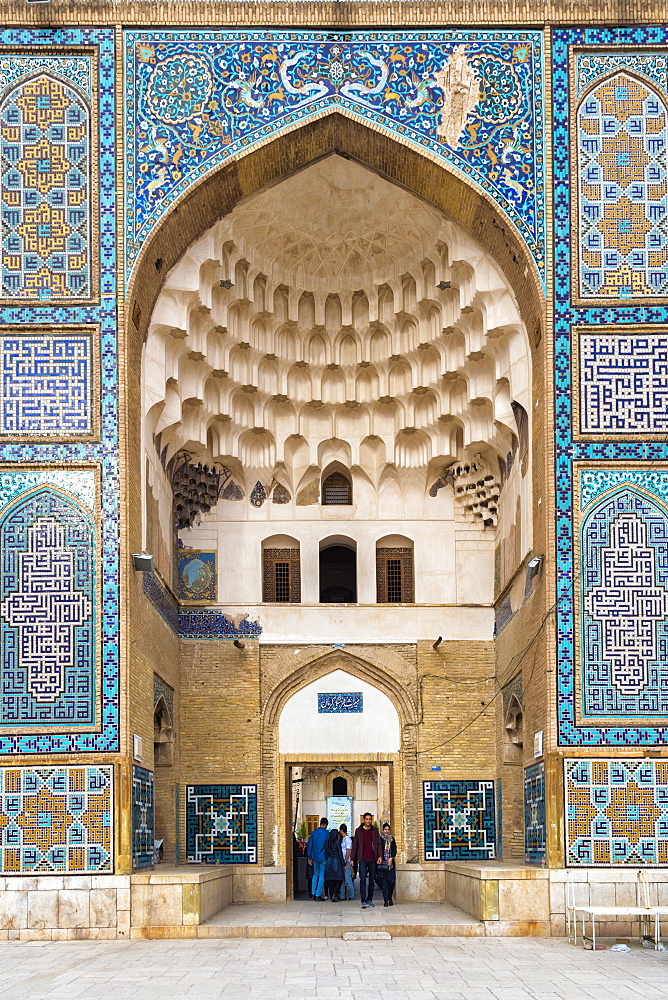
(387, 872)
(333, 866)
(315, 852)
(367, 851)
(347, 851)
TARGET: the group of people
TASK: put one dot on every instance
(334, 859)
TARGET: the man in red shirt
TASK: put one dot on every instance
(368, 852)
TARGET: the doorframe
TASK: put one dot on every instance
(290, 802)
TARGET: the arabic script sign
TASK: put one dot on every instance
(350, 702)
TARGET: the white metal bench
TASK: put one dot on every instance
(642, 910)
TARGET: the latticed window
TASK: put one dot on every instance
(337, 489)
(394, 576)
(281, 579)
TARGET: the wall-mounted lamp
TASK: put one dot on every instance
(239, 643)
(438, 642)
(143, 563)
(533, 567)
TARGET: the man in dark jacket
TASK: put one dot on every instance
(368, 852)
(315, 852)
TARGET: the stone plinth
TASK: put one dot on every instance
(510, 898)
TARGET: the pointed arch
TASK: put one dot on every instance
(360, 667)
(622, 611)
(48, 612)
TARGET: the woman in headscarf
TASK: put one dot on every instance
(333, 866)
(386, 872)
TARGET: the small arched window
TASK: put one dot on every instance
(337, 489)
(339, 786)
(281, 570)
(394, 571)
(163, 735)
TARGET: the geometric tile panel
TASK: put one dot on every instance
(59, 350)
(46, 384)
(534, 814)
(143, 830)
(459, 821)
(610, 120)
(45, 182)
(623, 610)
(56, 820)
(48, 674)
(622, 184)
(622, 375)
(221, 824)
(241, 93)
(616, 813)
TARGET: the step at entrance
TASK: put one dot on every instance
(297, 919)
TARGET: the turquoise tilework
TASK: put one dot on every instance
(82, 63)
(246, 86)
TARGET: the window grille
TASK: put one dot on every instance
(394, 576)
(337, 489)
(281, 578)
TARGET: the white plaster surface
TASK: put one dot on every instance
(352, 623)
(302, 729)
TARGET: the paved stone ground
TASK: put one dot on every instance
(306, 913)
(299, 969)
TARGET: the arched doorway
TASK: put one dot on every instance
(339, 715)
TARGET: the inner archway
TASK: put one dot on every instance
(339, 714)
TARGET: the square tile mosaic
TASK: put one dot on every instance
(246, 88)
(143, 826)
(56, 820)
(221, 824)
(47, 384)
(609, 95)
(59, 343)
(616, 812)
(534, 814)
(620, 380)
(459, 820)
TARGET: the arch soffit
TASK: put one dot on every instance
(216, 194)
(363, 669)
(66, 84)
(622, 487)
(634, 74)
(22, 498)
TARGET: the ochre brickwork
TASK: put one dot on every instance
(154, 649)
(336, 15)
